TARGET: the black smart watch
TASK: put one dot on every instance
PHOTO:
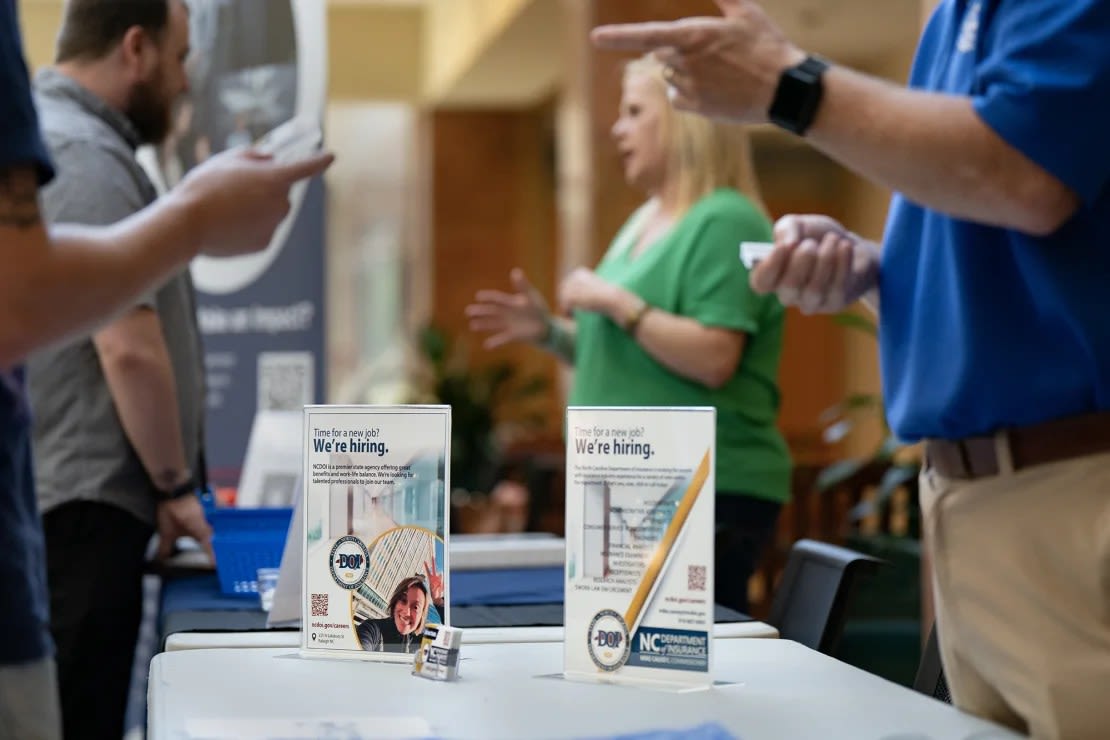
(182, 489)
(798, 95)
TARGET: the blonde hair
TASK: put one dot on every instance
(703, 154)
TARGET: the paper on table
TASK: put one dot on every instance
(272, 465)
(286, 609)
(707, 731)
(340, 728)
(639, 575)
(375, 526)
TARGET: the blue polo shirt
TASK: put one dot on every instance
(981, 327)
(24, 625)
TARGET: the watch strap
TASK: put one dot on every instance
(182, 489)
(798, 95)
(632, 320)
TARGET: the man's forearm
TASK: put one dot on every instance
(75, 277)
(935, 150)
(140, 378)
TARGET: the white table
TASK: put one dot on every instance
(474, 636)
(494, 551)
(767, 690)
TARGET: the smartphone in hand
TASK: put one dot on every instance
(297, 138)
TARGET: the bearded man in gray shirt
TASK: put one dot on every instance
(118, 415)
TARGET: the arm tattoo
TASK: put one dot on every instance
(19, 198)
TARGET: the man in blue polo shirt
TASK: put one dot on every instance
(993, 281)
(53, 284)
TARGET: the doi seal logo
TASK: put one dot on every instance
(350, 562)
(608, 640)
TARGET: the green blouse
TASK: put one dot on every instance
(694, 271)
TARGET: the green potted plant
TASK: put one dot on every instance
(489, 404)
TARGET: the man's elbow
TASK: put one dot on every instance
(17, 335)
(1042, 204)
(129, 361)
(12, 350)
(1046, 217)
(1015, 192)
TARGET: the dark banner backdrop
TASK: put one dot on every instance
(256, 64)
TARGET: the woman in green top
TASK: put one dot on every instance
(668, 317)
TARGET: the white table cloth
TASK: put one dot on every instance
(766, 690)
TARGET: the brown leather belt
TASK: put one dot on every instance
(1038, 444)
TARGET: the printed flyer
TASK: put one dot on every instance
(375, 528)
(639, 533)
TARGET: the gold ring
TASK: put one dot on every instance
(668, 73)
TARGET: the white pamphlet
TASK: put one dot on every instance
(375, 528)
(639, 539)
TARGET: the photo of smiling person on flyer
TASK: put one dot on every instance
(400, 631)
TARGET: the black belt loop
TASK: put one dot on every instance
(1005, 459)
(965, 459)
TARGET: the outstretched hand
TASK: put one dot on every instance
(236, 199)
(520, 316)
(725, 67)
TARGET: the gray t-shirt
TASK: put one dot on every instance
(81, 450)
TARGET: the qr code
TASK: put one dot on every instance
(319, 605)
(695, 578)
(286, 381)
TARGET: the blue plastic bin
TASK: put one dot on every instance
(245, 540)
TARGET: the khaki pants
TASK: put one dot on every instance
(1022, 587)
(29, 701)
